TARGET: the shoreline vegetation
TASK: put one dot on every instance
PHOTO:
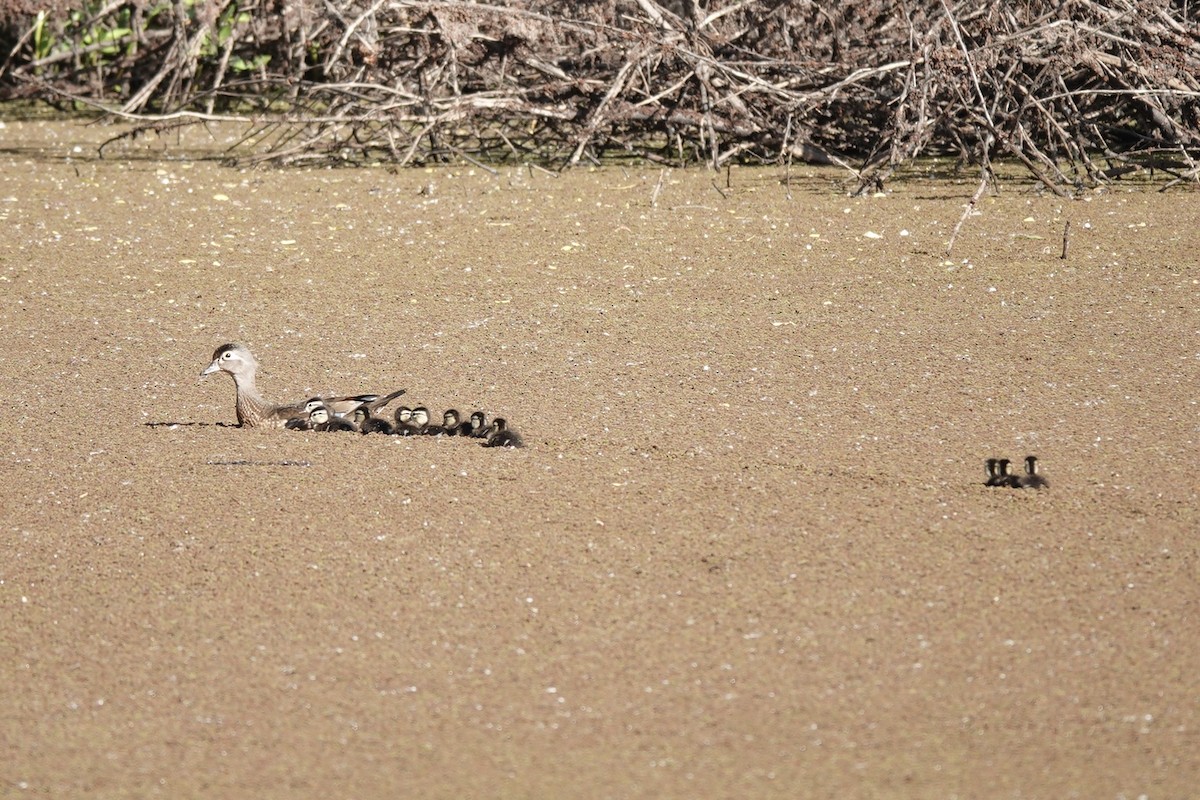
(1080, 94)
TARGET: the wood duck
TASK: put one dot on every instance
(346, 405)
(253, 411)
(479, 426)
(373, 406)
(420, 413)
(304, 422)
(323, 421)
(1031, 479)
(404, 426)
(369, 424)
(499, 435)
(419, 421)
(993, 476)
(1004, 476)
(453, 425)
(300, 423)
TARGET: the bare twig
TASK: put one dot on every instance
(970, 207)
(662, 174)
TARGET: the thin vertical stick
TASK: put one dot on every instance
(654, 197)
(1066, 239)
(787, 151)
(967, 212)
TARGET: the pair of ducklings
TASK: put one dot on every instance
(409, 422)
(999, 473)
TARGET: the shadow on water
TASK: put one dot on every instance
(241, 462)
(172, 425)
(230, 462)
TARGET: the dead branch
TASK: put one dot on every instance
(867, 84)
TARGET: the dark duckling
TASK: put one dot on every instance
(404, 425)
(428, 428)
(369, 424)
(325, 422)
(453, 424)
(419, 421)
(1004, 476)
(499, 435)
(303, 422)
(1031, 479)
(479, 426)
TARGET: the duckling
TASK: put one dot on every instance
(453, 426)
(479, 426)
(324, 422)
(428, 429)
(369, 424)
(300, 423)
(995, 475)
(1031, 479)
(419, 421)
(464, 426)
(403, 426)
(499, 435)
(253, 411)
(1004, 476)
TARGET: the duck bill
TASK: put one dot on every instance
(210, 369)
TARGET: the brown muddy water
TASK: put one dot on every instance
(746, 553)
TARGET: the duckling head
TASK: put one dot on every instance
(403, 414)
(318, 415)
(450, 418)
(235, 359)
(420, 415)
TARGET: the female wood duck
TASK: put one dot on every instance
(254, 412)
(343, 406)
(1031, 479)
(500, 436)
